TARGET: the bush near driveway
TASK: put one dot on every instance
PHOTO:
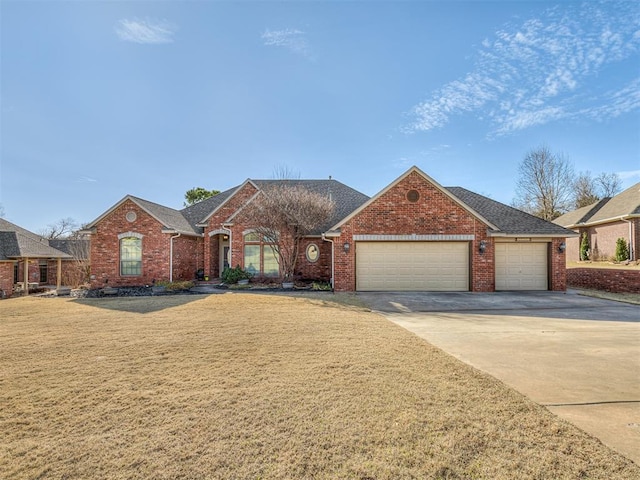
(238, 386)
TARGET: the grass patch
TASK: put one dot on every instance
(247, 386)
(176, 286)
(633, 298)
(635, 265)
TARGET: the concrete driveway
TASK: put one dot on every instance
(576, 355)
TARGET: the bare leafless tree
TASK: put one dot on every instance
(609, 184)
(585, 190)
(285, 214)
(588, 190)
(284, 172)
(545, 184)
(78, 248)
(63, 228)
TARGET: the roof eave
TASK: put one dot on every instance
(181, 232)
(39, 255)
(205, 221)
(532, 235)
(606, 220)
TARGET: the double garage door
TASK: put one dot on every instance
(412, 266)
(444, 266)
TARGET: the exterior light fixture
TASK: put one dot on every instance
(562, 247)
(482, 247)
(346, 247)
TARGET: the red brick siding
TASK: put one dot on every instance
(6, 274)
(34, 270)
(609, 280)
(557, 266)
(573, 247)
(435, 213)
(187, 257)
(6, 278)
(215, 269)
(105, 250)
(603, 239)
(71, 272)
(216, 222)
(319, 270)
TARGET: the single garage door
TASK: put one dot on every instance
(412, 266)
(521, 266)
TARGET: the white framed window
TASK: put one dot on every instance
(260, 256)
(130, 256)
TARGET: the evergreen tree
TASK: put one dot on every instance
(622, 250)
(584, 247)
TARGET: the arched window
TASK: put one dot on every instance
(130, 256)
(260, 255)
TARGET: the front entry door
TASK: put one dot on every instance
(225, 255)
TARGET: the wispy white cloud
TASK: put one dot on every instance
(629, 175)
(537, 71)
(291, 39)
(86, 180)
(615, 102)
(146, 31)
(436, 150)
(401, 163)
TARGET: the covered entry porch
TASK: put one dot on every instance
(219, 255)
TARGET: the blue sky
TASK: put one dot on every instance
(106, 98)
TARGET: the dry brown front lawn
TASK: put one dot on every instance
(246, 386)
(635, 265)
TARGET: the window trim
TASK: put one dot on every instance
(306, 252)
(138, 267)
(262, 245)
(43, 271)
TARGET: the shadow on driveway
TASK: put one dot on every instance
(559, 305)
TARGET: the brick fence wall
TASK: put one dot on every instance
(607, 279)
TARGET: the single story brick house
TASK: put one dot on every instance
(414, 235)
(29, 260)
(604, 222)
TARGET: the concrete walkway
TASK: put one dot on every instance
(576, 355)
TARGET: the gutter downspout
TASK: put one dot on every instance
(332, 260)
(171, 256)
(631, 249)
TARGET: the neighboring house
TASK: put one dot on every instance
(413, 235)
(604, 222)
(29, 260)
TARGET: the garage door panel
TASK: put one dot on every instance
(412, 266)
(521, 266)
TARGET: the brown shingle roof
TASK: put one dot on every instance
(17, 242)
(509, 220)
(345, 198)
(624, 204)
